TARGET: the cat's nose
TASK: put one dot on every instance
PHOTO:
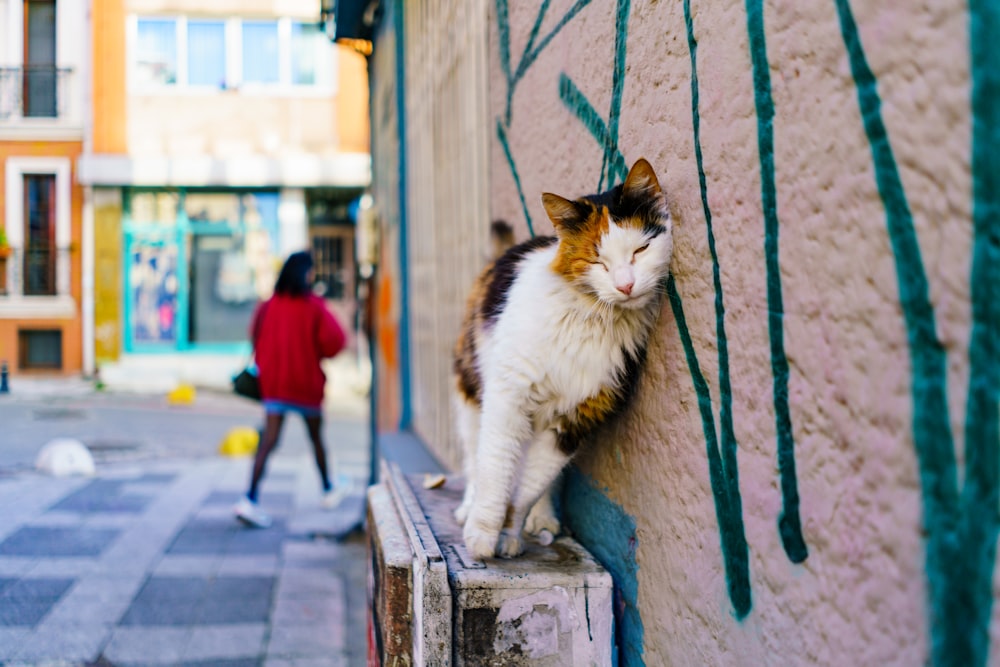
(625, 288)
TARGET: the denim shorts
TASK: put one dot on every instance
(284, 407)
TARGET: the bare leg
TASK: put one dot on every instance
(315, 427)
(268, 443)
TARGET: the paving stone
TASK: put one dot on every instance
(308, 583)
(256, 541)
(327, 661)
(226, 642)
(273, 501)
(26, 613)
(73, 567)
(296, 612)
(237, 600)
(240, 565)
(179, 564)
(35, 589)
(234, 662)
(103, 495)
(11, 641)
(147, 646)
(44, 541)
(77, 642)
(16, 566)
(305, 642)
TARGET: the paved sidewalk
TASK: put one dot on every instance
(143, 564)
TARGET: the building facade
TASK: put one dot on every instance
(809, 473)
(225, 136)
(43, 109)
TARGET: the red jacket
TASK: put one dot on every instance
(291, 335)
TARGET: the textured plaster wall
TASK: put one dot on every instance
(791, 483)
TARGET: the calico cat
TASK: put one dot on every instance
(554, 336)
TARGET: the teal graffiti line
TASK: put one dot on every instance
(961, 532)
(729, 443)
(789, 523)
(502, 136)
(503, 32)
(535, 29)
(980, 517)
(610, 535)
(585, 112)
(617, 87)
(724, 478)
(528, 57)
(531, 54)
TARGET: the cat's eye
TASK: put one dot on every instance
(638, 250)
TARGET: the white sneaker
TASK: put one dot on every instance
(334, 497)
(249, 513)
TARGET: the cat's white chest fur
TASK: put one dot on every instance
(551, 347)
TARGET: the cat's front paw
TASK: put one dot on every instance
(510, 545)
(480, 543)
(540, 520)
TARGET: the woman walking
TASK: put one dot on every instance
(291, 333)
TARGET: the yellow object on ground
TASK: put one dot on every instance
(184, 394)
(239, 441)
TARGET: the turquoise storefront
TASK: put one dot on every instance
(196, 262)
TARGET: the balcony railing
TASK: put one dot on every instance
(34, 91)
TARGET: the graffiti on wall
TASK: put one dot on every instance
(961, 524)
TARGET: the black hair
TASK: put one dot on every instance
(292, 281)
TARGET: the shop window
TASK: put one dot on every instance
(39, 349)
(154, 208)
(39, 235)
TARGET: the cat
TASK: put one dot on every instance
(551, 346)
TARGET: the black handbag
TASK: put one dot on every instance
(247, 384)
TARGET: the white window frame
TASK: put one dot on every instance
(326, 74)
(16, 304)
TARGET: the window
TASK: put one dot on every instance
(39, 349)
(40, 59)
(37, 207)
(39, 235)
(206, 49)
(228, 53)
(307, 44)
(156, 51)
(260, 52)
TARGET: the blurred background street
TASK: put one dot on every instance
(143, 563)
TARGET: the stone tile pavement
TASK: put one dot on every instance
(144, 564)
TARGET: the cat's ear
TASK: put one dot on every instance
(564, 213)
(641, 180)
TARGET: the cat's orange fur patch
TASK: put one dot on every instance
(578, 248)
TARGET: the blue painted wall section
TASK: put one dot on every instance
(610, 535)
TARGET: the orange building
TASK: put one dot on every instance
(43, 111)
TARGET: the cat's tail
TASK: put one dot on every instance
(501, 238)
